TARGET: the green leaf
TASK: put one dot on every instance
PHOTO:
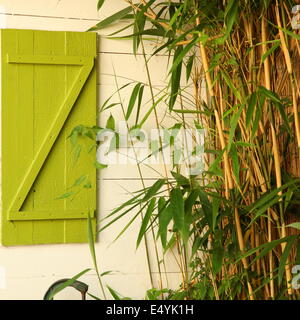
(100, 4)
(206, 206)
(65, 195)
(269, 94)
(88, 185)
(215, 166)
(113, 18)
(189, 66)
(132, 100)
(215, 211)
(175, 15)
(99, 165)
(180, 179)
(270, 51)
(288, 32)
(231, 15)
(284, 258)
(154, 189)
(145, 221)
(138, 109)
(188, 111)
(266, 197)
(295, 225)
(284, 117)
(150, 110)
(91, 240)
(265, 248)
(164, 218)
(110, 124)
(250, 110)
(233, 126)
(217, 259)
(177, 208)
(231, 85)
(113, 293)
(182, 53)
(189, 204)
(175, 78)
(79, 181)
(235, 163)
(92, 296)
(59, 287)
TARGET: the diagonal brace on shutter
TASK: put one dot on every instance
(32, 172)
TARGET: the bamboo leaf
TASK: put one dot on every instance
(270, 51)
(175, 15)
(100, 4)
(233, 126)
(250, 110)
(269, 94)
(113, 293)
(145, 221)
(217, 259)
(235, 163)
(150, 110)
(180, 179)
(61, 286)
(215, 211)
(231, 85)
(231, 15)
(295, 225)
(258, 116)
(113, 18)
(182, 53)
(154, 189)
(164, 217)
(65, 195)
(91, 240)
(265, 248)
(175, 78)
(189, 67)
(265, 198)
(132, 100)
(110, 124)
(138, 109)
(284, 258)
(177, 208)
(99, 165)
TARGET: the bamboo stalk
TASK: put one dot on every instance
(275, 147)
(275, 151)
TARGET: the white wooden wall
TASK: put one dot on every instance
(29, 270)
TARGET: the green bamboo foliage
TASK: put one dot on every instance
(236, 225)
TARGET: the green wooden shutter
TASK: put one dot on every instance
(48, 84)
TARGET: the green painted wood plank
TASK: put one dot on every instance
(47, 98)
(49, 215)
(15, 155)
(76, 231)
(48, 59)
